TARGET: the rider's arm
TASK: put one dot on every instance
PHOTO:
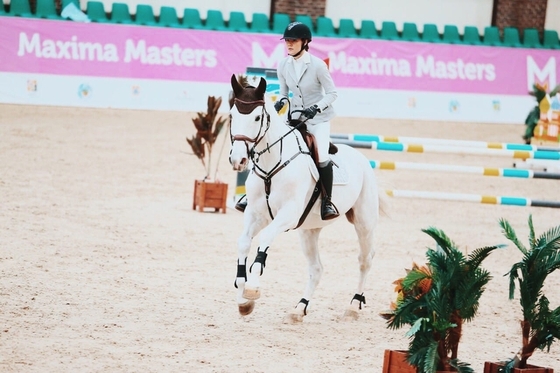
(327, 83)
(282, 80)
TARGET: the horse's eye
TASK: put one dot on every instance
(258, 118)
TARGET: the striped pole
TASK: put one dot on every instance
(540, 164)
(494, 200)
(240, 185)
(432, 141)
(417, 148)
(485, 171)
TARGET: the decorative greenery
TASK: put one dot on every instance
(435, 300)
(540, 325)
(539, 92)
(208, 128)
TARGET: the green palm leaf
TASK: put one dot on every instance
(512, 236)
(461, 367)
(478, 255)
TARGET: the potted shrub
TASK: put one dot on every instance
(208, 192)
(435, 300)
(540, 326)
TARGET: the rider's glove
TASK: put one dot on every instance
(310, 112)
(278, 105)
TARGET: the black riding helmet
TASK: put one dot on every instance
(297, 30)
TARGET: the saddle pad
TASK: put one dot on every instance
(340, 176)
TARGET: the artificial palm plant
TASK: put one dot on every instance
(436, 300)
(208, 126)
(539, 92)
(540, 326)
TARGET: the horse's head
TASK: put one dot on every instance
(249, 121)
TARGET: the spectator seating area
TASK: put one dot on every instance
(259, 22)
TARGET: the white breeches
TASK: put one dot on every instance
(322, 133)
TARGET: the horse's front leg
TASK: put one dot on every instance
(283, 221)
(252, 227)
(310, 245)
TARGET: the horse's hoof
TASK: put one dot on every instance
(293, 318)
(251, 294)
(246, 308)
(350, 315)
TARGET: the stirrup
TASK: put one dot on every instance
(328, 210)
(241, 205)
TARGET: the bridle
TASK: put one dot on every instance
(247, 107)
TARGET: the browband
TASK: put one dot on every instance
(246, 107)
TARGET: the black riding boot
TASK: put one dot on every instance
(241, 205)
(328, 210)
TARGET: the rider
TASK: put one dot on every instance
(309, 80)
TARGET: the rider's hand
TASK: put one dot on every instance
(278, 105)
(310, 112)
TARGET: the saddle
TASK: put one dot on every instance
(310, 140)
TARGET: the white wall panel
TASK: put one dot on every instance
(552, 21)
(440, 12)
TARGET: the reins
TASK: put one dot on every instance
(246, 107)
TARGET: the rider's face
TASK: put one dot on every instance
(293, 46)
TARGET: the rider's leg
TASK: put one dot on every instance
(328, 209)
(241, 204)
(322, 133)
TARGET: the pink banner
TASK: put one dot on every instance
(123, 51)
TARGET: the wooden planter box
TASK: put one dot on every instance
(547, 133)
(394, 361)
(490, 367)
(209, 194)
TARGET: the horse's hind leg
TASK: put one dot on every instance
(365, 217)
(309, 240)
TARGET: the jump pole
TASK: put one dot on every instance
(493, 200)
(485, 171)
(432, 141)
(539, 164)
(418, 148)
(240, 185)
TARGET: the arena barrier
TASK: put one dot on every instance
(419, 148)
(494, 200)
(433, 141)
(484, 171)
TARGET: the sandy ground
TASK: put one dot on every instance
(105, 267)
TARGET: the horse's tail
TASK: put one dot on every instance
(383, 198)
(383, 202)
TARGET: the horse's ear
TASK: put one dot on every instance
(261, 89)
(237, 89)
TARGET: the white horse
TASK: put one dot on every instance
(279, 187)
